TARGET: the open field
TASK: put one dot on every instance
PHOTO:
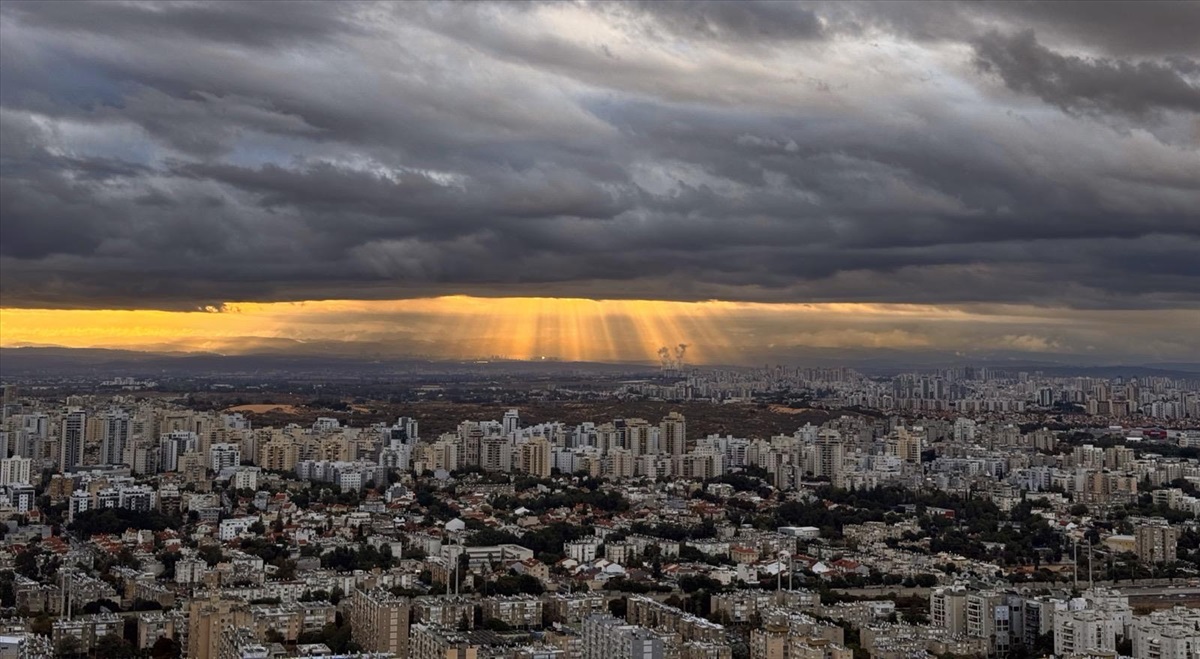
(266, 408)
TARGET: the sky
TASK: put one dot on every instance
(590, 181)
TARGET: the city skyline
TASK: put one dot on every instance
(591, 181)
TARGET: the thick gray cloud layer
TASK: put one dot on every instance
(183, 155)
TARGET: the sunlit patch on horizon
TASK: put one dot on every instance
(580, 329)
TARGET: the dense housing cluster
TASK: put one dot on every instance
(140, 523)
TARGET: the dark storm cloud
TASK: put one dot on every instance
(1121, 28)
(1093, 85)
(254, 24)
(1125, 28)
(751, 20)
(184, 155)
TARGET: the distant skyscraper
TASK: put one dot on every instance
(175, 444)
(10, 405)
(403, 433)
(379, 621)
(964, 430)
(512, 421)
(495, 454)
(1157, 541)
(74, 429)
(829, 454)
(115, 433)
(536, 457)
(672, 434)
(637, 436)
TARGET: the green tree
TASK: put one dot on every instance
(112, 645)
(166, 648)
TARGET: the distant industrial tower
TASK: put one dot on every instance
(672, 364)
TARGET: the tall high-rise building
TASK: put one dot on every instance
(512, 422)
(947, 609)
(208, 618)
(173, 445)
(637, 436)
(906, 445)
(403, 433)
(536, 457)
(15, 471)
(672, 434)
(10, 404)
(379, 621)
(471, 436)
(115, 433)
(990, 615)
(829, 454)
(74, 431)
(608, 437)
(618, 464)
(1156, 541)
(495, 454)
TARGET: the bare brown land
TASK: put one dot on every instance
(266, 408)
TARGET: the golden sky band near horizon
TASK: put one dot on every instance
(577, 329)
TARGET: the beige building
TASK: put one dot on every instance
(379, 621)
(450, 611)
(292, 619)
(637, 436)
(618, 464)
(240, 643)
(948, 609)
(798, 638)
(515, 611)
(905, 445)
(672, 434)
(1156, 541)
(769, 642)
(279, 455)
(535, 457)
(207, 618)
(437, 642)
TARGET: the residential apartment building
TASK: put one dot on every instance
(379, 621)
